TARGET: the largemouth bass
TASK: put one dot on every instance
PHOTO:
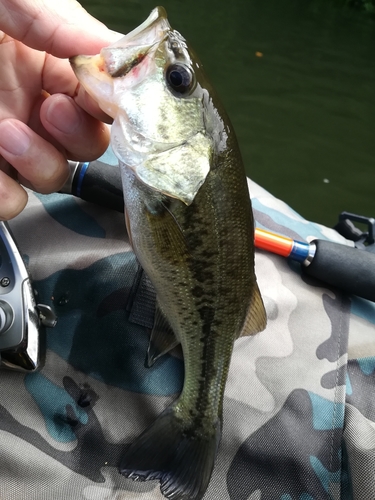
(189, 218)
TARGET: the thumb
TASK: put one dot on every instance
(61, 28)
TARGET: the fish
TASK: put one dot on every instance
(189, 219)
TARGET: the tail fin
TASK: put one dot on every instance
(180, 458)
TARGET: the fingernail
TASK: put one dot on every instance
(13, 138)
(63, 115)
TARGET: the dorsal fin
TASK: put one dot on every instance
(256, 318)
(162, 339)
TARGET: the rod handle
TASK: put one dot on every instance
(96, 182)
(347, 268)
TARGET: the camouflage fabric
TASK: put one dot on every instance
(298, 416)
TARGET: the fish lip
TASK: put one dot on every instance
(88, 66)
(117, 67)
(124, 54)
(76, 61)
(157, 18)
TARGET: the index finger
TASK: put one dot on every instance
(62, 28)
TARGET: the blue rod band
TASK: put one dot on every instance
(81, 175)
(300, 251)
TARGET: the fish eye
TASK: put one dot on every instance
(179, 78)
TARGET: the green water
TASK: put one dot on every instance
(304, 112)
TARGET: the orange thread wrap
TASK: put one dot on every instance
(274, 243)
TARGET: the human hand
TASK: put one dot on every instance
(45, 117)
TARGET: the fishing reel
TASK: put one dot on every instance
(22, 321)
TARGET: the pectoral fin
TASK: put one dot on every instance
(169, 238)
(256, 319)
(162, 338)
(127, 224)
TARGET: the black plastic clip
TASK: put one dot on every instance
(362, 239)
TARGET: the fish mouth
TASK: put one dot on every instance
(125, 54)
(118, 59)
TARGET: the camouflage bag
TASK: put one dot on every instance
(299, 413)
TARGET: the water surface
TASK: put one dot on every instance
(298, 81)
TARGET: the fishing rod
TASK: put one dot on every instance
(352, 269)
(349, 268)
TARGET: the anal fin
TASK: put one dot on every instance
(256, 319)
